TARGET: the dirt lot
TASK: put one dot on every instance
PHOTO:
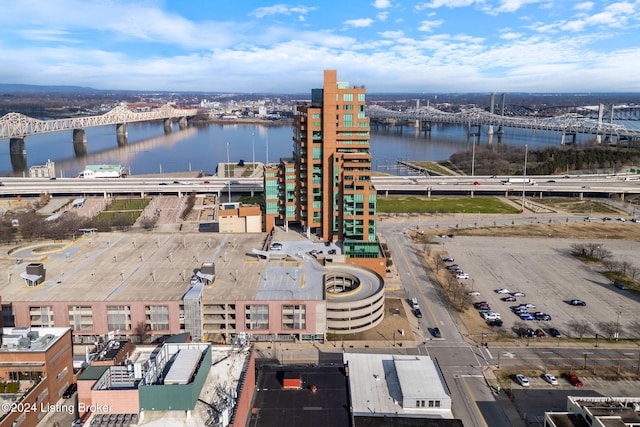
(395, 320)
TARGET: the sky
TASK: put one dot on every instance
(388, 46)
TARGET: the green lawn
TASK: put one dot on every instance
(433, 166)
(412, 204)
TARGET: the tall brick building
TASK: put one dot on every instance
(326, 185)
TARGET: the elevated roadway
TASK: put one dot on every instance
(596, 185)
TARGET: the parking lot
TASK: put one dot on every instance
(544, 270)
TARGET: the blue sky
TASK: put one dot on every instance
(262, 46)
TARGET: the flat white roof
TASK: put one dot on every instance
(183, 366)
(378, 384)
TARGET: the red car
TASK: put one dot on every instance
(574, 380)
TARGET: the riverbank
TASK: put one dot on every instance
(243, 121)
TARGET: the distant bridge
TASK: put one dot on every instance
(568, 124)
(16, 125)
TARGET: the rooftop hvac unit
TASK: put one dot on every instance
(33, 335)
(24, 343)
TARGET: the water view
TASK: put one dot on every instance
(149, 150)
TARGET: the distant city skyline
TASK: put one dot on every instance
(386, 45)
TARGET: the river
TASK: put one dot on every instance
(149, 150)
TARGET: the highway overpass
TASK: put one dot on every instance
(592, 185)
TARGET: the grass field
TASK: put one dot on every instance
(123, 208)
(413, 204)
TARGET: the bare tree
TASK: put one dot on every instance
(141, 331)
(608, 328)
(581, 328)
(611, 266)
(148, 223)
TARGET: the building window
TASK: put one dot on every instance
(347, 97)
(119, 317)
(157, 317)
(431, 404)
(257, 317)
(437, 403)
(41, 317)
(294, 316)
(62, 374)
(81, 318)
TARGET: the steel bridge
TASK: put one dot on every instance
(568, 124)
(16, 125)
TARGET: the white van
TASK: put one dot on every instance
(414, 303)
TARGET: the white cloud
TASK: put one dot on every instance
(510, 35)
(511, 6)
(381, 4)
(359, 23)
(392, 34)
(434, 4)
(585, 6)
(429, 26)
(382, 16)
(280, 9)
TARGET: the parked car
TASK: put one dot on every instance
(494, 322)
(527, 316)
(620, 285)
(574, 380)
(69, 391)
(554, 332)
(490, 315)
(275, 246)
(436, 332)
(453, 267)
(528, 305)
(508, 299)
(551, 379)
(539, 315)
(447, 259)
(502, 291)
(417, 313)
(518, 294)
(522, 380)
(577, 302)
(462, 275)
(480, 304)
(474, 293)
(540, 333)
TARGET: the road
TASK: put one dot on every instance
(531, 265)
(461, 363)
(574, 185)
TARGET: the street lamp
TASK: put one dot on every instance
(596, 340)
(524, 174)
(618, 325)
(228, 173)
(253, 151)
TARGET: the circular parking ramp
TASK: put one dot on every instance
(355, 299)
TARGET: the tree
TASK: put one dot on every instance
(608, 328)
(148, 223)
(142, 331)
(581, 328)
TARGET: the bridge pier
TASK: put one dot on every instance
(18, 154)
(79, 142)
(564, 136)
(470, 128)
(122, 134)
(182, 123)
(167, 126)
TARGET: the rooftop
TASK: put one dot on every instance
(380, 382)
(327, 406)
(27, 339)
